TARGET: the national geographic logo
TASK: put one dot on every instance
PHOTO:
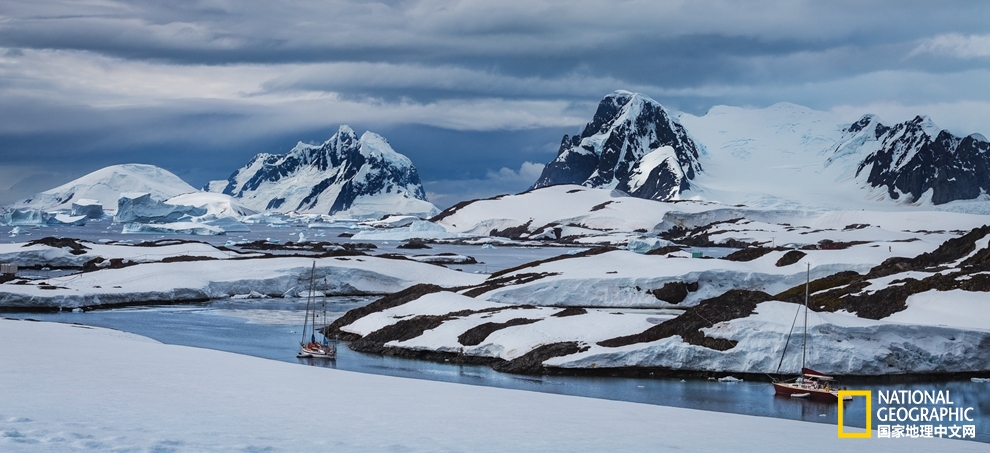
(911, 414)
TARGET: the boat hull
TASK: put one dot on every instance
(317, 351)
(814, 394)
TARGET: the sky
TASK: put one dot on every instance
(477, 93)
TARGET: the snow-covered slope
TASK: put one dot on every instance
(345, 176)
(105, 186)
(633, 145)
(562, 211)
(925, 314)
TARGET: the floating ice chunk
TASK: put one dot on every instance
(251, 295)
(978, 379)
(487, 246)
(643, 245)
(730, 379)
(17, 230)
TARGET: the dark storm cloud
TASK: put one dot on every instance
(463, 88)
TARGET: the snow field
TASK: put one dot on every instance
(110, 391)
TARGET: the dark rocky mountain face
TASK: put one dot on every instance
(326, 178)
(610, 151)
(914, 158)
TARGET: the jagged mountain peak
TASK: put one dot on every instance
(334, 177)
(609, 151)
(915, 161)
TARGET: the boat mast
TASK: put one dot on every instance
(804, 341)
(312, 280)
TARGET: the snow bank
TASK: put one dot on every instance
(193, 228)
(36, 255)
(839, 343)
(203, 280)
(624, 279)
(208, 400)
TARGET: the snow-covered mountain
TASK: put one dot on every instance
(105, 186)
(917, 161)
(782, 156)
(346, 176)
(790, 156)
(633, 145)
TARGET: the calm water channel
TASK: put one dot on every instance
(271, 328)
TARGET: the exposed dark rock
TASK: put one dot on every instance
(392, 300)
(532, 361)
(477, 334)
(403, 330)
(570, 311)
(855, 226)
(733, 304)
(410, 328)
(790, 258)
(183, 258)
(601, 206)
(414, 244)
(748, 254)
(673, 292)
(515, 232)
(115, 263)
(665, 250)
(75, 246)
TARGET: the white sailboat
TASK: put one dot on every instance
(311, 347)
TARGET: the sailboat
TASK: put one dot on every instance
(810, 384)
(311, 348)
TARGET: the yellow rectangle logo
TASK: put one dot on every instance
(869, 409)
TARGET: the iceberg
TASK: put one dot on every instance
(25, 216)
(91, 209)
(643, 245)
(141, 208)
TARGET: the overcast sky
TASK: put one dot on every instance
(477, 93)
